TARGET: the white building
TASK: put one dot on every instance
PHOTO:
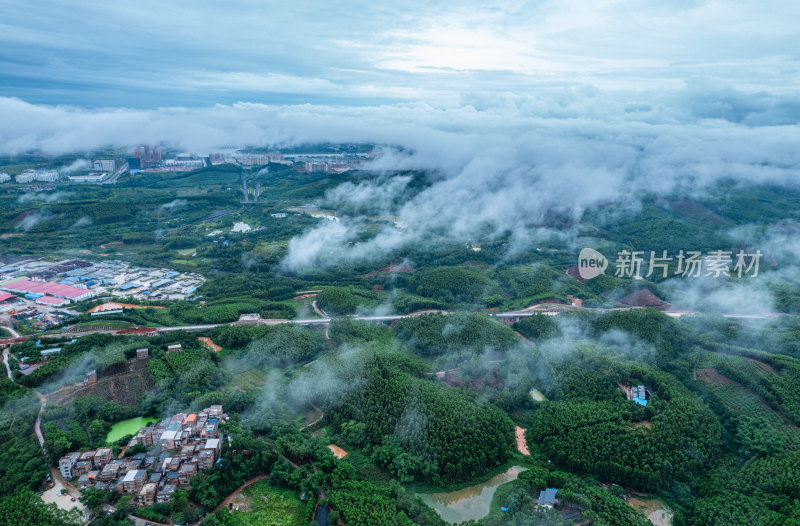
(45, 176)
(253, 160)
(93, 177)
(316, 167)
(66, 464)
(241, 227)
(4, 177)
(104, 165)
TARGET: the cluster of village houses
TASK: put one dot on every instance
(182, 445)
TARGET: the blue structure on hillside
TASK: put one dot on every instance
(547, 497)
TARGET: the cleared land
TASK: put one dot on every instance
(655, 510)
(262, 504)
(337, 451)
(522, 444)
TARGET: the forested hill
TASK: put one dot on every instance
(418, 428)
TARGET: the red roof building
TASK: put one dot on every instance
(50, 300)
(51, 289)
(5, 296)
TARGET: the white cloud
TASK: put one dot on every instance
(120, 53)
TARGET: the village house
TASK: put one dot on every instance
(66, 463)
(186, 472)
(82, 467)
(205, 459)
(134, 481)
(86, 456)
(147, 495)
(110, 471)
(155, 478)
(170, 439)
(188, 444)
(102, 457)
(165, 495)
(187, 452)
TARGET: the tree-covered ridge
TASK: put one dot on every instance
(421, 429)
(451, 285)
(338, 301)
(590, 427)
(284, 345)
(435, 334)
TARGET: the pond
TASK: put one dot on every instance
(128, 427)
(472, 502)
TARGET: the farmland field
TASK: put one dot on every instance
(251, 378)
(741, 402)
(265, 504)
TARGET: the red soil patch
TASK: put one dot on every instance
(522, 444)
(391, 268)
(574, 273)
(106, 245)
(489, 379)
(643, 298)
(210, 344)
(117, 306)
(626, 389)
(304, 296)
(337, 451)
(711, 375)
(138, 330)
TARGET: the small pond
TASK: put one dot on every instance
(472, 502)
(128, 427)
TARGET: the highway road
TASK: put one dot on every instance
(326, 320)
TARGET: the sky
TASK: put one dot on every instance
(148, 54)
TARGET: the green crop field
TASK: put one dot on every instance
(269, 505)
(741, 402)
(252, 378)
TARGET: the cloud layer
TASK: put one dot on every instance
(515, 162)
(526, 113)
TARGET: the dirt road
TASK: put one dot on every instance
(8, 368)
(320, 417)
(38, 425)
(318, 310)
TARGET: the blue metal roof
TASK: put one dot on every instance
(640, 401)
(548, 496)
